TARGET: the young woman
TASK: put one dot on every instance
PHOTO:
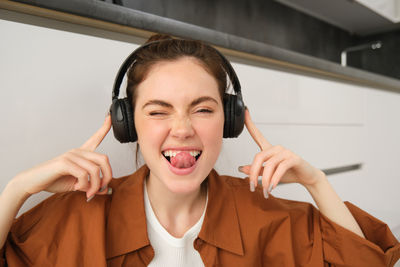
(176, 210)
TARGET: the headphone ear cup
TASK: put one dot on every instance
(122, 121)
(232, 101)
(130, 120)
(234, 116)
(238, 115)
(228, 115)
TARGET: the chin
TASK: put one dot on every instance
(183, 186)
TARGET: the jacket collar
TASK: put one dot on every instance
(127, 227)
(221, 223)
(126, 222)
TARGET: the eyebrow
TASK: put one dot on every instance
(168, 105)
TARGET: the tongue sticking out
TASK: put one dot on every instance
(183, 160)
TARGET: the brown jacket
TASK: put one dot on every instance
(240, 228)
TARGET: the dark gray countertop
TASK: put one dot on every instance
(275, 56)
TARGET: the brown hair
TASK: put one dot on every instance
(169, 49)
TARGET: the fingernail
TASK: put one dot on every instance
(270, 188)
(252, 187)
(90, 198)
(240, 168)
(109, 191)
(107, 113)
(102, 189)
(265, 192)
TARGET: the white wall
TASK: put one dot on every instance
(390, 9)
(56, 87)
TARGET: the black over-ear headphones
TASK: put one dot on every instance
(121, 111)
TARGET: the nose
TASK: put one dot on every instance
(182, 128)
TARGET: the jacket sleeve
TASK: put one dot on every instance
(15, 251)
(60, 231)
(342, 247)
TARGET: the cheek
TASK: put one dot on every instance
(150, 132)
(211, 132)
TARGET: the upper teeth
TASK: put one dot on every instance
(173, 153)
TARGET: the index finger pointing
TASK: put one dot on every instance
(94, 141)
(254, 132)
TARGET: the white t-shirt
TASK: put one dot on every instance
(169, 250)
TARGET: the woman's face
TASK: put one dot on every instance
(179, 120)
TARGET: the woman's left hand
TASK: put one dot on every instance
(277, 164)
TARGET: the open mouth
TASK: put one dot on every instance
(182, 159)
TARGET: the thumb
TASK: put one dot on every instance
(246, 170)
(104, 191)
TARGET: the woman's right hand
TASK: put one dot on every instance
(78, 169)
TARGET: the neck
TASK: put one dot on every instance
(176, 212)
